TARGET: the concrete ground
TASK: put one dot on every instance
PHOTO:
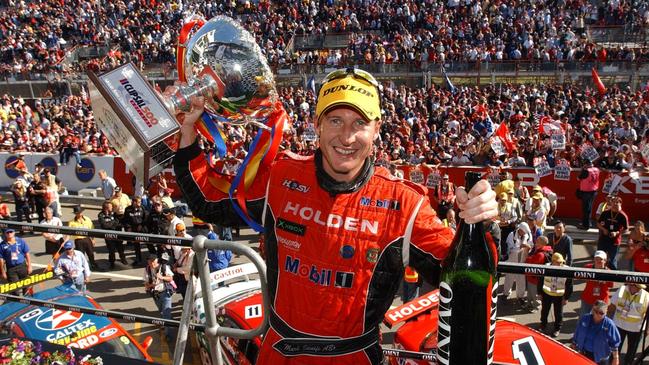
(122, 289)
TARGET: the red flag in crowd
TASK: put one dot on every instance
(480, 112)
(598, 82)
(503, 133)
(549, 126)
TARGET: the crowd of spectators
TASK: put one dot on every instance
(435, 126)
(420, 125)
(36, 37)
(65, 125)
(432, 126)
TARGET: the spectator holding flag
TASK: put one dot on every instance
(483, 124)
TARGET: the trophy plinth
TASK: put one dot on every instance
(134, 119)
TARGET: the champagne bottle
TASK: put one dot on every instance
(467, 295)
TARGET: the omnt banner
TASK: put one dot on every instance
(633, 190)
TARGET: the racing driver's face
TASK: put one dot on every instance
(345, 141)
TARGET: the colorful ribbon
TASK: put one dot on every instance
(262, 153)
(209, 128)
(264, 147)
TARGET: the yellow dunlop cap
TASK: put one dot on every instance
(351, 91)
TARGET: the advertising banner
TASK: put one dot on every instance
(74, 177)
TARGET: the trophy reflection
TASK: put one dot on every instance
(219, 60)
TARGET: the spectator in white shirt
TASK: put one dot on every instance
(108, 184)
(519, 243)
(516, 160)
(53, 241)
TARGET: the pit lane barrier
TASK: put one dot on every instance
(213, 330)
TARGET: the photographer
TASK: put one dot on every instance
(638, 252)
(159, 283)
(612, 224)
(156, 223)
(21, 199)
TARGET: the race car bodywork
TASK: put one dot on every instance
(515, 343)
(238, 304)
(71, 329)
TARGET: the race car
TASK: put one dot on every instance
(238, 303)
(71, 329)
(237, 299)
(515, 343)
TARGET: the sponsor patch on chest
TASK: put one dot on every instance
(326, 219)
(291, 227)
(318, 275)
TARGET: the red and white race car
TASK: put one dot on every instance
(238, 303)
(515, 343)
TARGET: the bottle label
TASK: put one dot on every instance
(444, 323)
(492, 324)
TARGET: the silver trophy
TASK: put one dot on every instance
(220, 61)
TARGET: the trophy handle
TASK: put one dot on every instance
(181, 100)
(210, 86)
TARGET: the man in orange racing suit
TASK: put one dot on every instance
(338, 231)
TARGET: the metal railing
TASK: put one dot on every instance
(200, 267)
(498, 67)
(625, 34)
(200, 245)
(616, 34)
(514, 72)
